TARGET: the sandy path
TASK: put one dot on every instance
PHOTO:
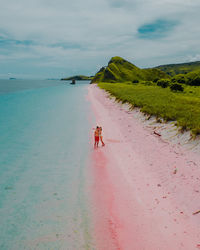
(145, 189)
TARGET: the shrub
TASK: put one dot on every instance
(180, 78)
(173, 80)
(195, 81)
(176, 87)
(196, 132)
(156, 79)
(164, 83)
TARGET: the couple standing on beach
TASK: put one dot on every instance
(98, 136)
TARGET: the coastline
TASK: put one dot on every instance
(145, 188)
(43, 176)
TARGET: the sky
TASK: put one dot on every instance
(54, 39)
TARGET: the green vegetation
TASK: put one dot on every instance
(78, 77)
(192, 78)
(164, 83)
(176, 87)
(181, 68)
(182, 107)
(172, 93)
(120, 70)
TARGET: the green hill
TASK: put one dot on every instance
(120, 70)
(181, 68)
(78, 77)
(170, 95)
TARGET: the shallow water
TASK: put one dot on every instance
(10, 86)
(44, 202)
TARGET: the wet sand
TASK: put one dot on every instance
(146, 190)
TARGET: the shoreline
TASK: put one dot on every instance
(145, 188)
(167, 131)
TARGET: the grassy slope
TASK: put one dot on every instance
(182, 68)
(182, 107)
(120, 70)
(118, 78)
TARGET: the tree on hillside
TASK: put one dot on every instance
(179, 78)
(176, 87)
(164, 83)
(195, 81)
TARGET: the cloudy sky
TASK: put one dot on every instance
(53, 39)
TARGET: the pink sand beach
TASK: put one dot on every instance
(146, 190)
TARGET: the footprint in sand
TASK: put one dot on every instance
(113, 140)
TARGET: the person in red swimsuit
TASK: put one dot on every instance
(100, 136)
(96, 137)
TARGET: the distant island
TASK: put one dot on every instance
(78, 77)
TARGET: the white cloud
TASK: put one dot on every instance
(99, 29)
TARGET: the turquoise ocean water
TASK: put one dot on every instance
(44, 149)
